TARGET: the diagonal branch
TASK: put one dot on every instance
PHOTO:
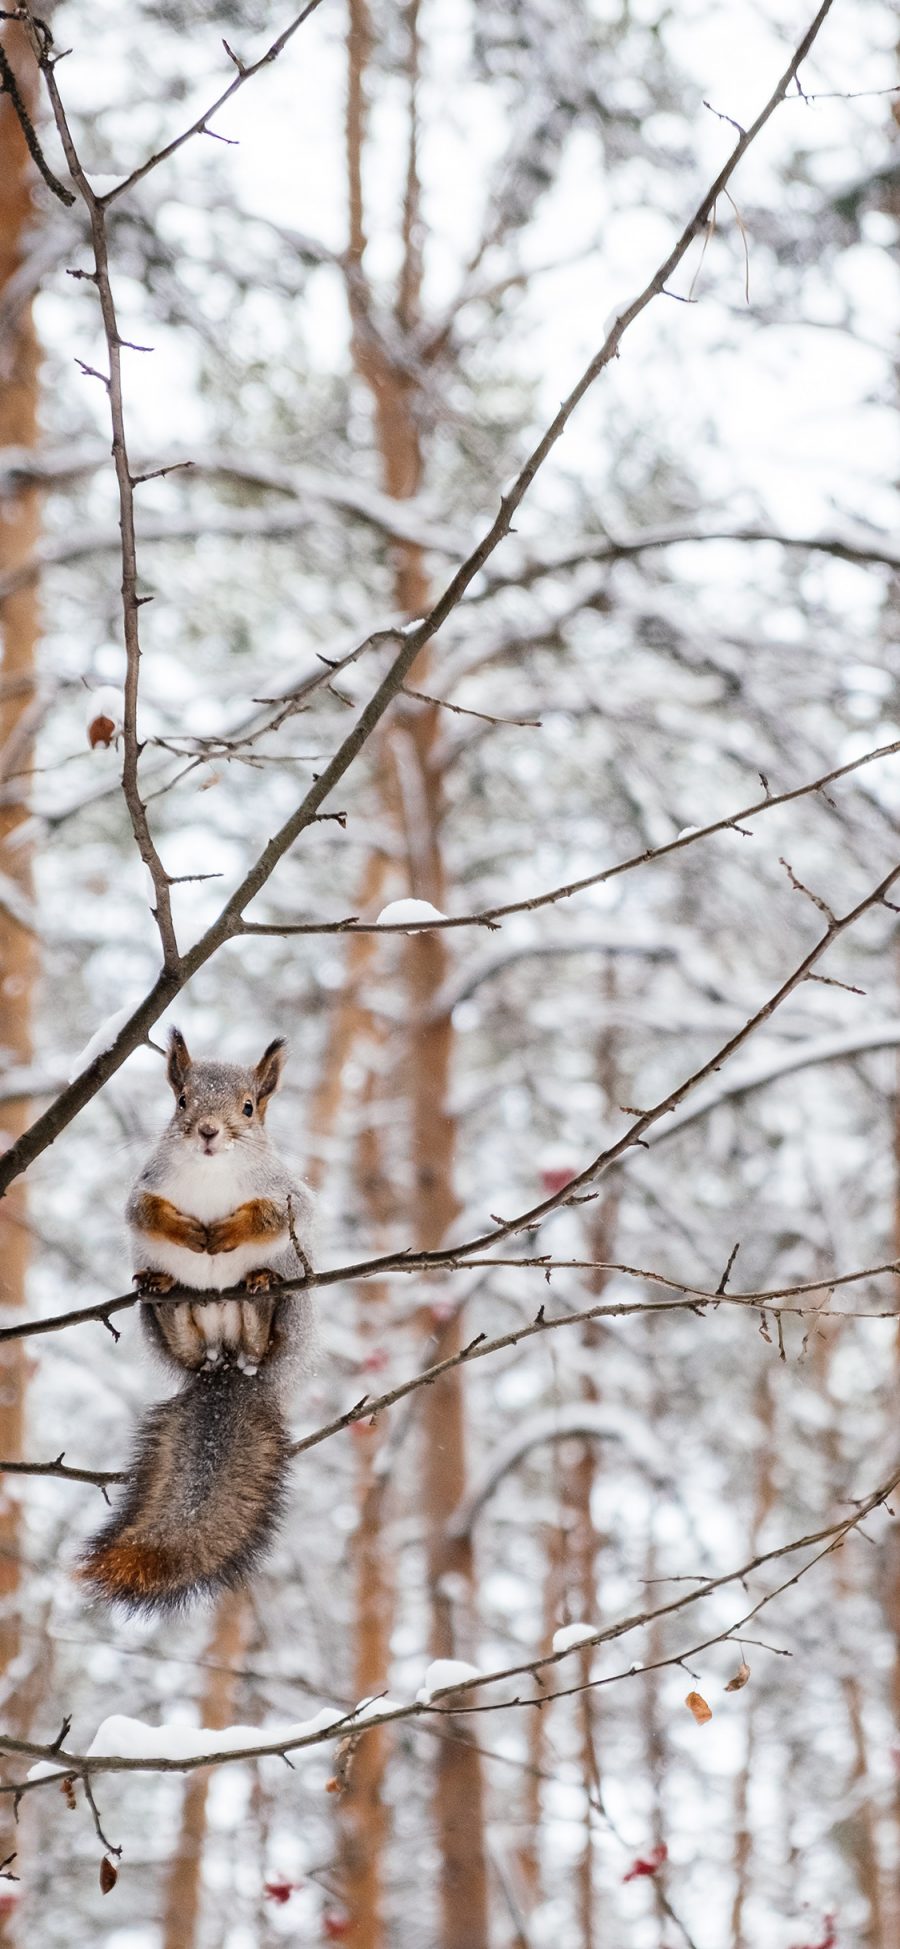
(683, 1297)
(489, 916)
(87, 1765)
(245, 72)
(172, 978)
(9, 86)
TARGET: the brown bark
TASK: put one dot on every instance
(652, 1719)
(184, 1888)
(529, 1853)
(764, 1499)
(892, 1541)
(570, 1590)
(19, 523)
(350, 1020)
(364, 1816)
(459, 1805)
(584, 1549)
(411, 794)
(863, 1831)
(865, 1834)
(584, 1543)
(363, 1820)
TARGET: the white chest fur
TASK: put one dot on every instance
(205, 1272)
(207, 1188)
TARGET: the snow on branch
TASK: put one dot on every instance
(491, 916)
(173, 1749)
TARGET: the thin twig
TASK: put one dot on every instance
(244, 74)
(490, 915)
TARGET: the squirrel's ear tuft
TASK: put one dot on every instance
(268, 1072)
(179, 1061)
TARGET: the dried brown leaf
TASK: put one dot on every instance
(737, 1683)
(101, 730)
(698, 1708)
(109, 1875)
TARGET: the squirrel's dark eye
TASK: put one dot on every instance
(182, 1103)
(248, 1109)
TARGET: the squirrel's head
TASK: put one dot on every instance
(218, 1104)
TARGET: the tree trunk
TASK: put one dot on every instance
(743, 1833)
(19, 522)
(863, 1830)
(459, 1808)
(892, 1540)
(184, 1888)
(412, 794)
(365, 1822)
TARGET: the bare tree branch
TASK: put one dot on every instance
(130, 599)
(201, 125)
(86, 1765)
(172, 978)
(864, 548)
(694, 1298)
(489, 916)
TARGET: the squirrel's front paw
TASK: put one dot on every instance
(222, 1235)
(194, 1234)
(261, 1280)
(154, 1282)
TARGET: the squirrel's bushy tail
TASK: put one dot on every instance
(203, 1498)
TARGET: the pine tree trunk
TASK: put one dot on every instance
(364, 1817)
(19, 523)
(743, 1833)
(459, 1802)
(892, 1540)
(184, 1888)
(412, 793)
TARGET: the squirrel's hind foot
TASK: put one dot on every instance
(153, 1282)
(261, 1280)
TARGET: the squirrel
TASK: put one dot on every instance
(214, 1207)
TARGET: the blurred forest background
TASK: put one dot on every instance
(367, 284)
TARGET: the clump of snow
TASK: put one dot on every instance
(444, 1673)
(572, 1634)
(371, 1708)
(104, 702)
(101, 1040)
(399, 912)
(122, 1738)
(409, 629)
(687, 832)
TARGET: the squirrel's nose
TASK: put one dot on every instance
(208, 1131)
